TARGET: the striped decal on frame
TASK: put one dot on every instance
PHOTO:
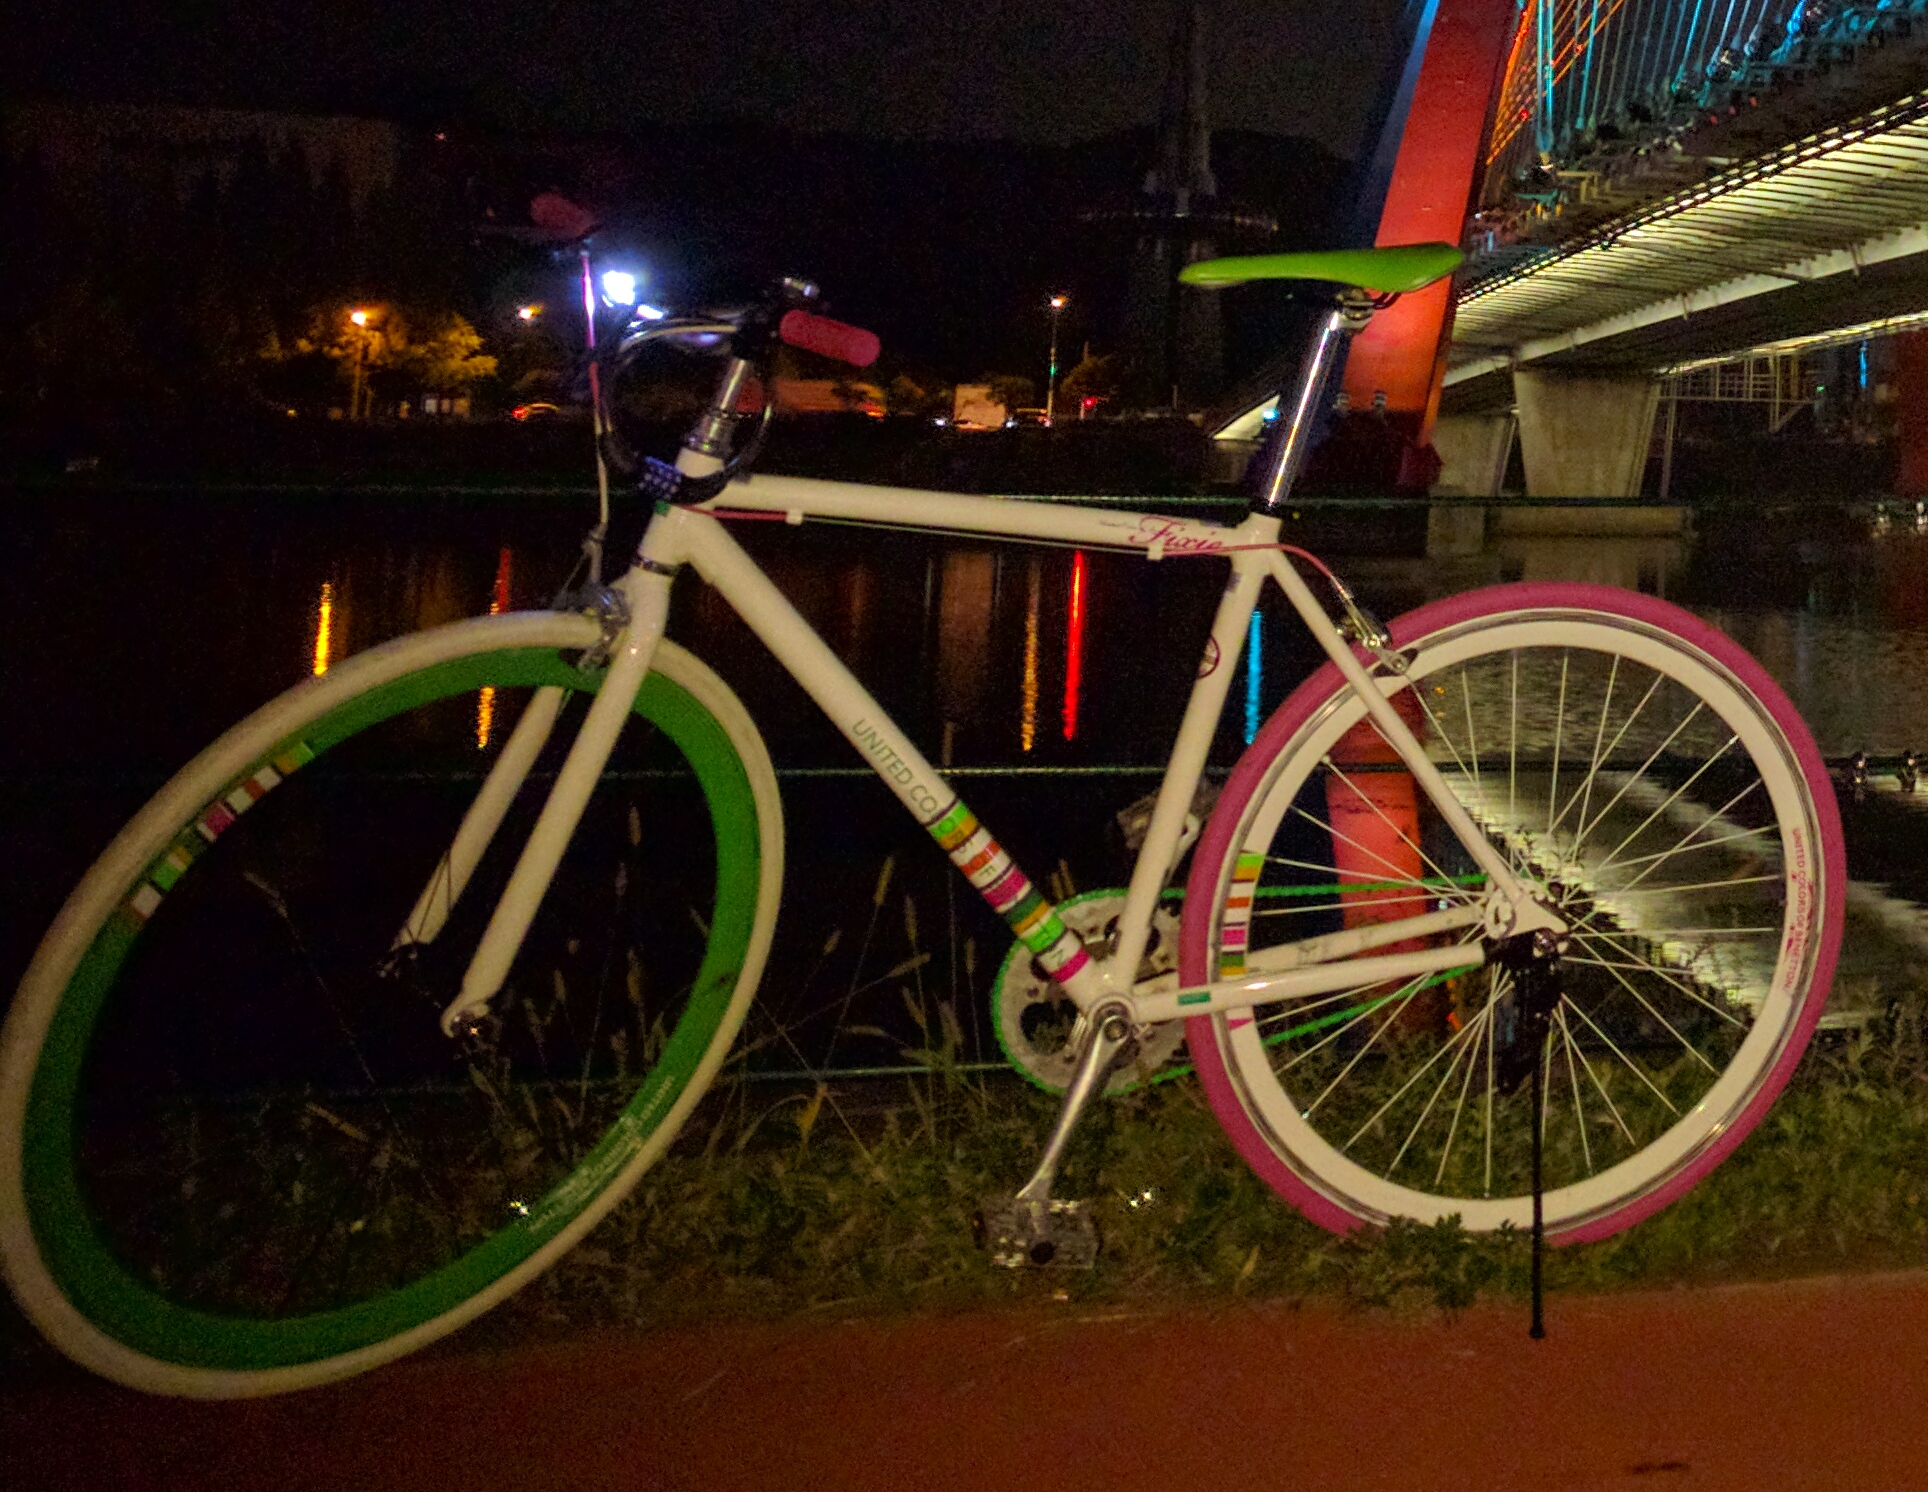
(1009, 891)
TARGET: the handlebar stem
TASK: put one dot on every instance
(711, 435)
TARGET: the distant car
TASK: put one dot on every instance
(1027, 417)
(538, 411)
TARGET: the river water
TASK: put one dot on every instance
(138, 624)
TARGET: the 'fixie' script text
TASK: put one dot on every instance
(1173, 536)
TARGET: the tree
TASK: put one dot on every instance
(907, 395)
(1095, 377)
(403, 354)
(447, 357)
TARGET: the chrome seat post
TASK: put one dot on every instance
(1353, 310)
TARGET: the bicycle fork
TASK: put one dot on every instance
(647, 594)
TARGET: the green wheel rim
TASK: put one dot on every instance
(93, 1278)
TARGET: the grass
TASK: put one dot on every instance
(790, 1198)
(805, 1204)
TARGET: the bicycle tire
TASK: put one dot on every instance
(343, 1195)
(1586, 729)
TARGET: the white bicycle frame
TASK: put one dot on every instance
(696, 536)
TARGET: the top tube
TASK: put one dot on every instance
(1154, 535)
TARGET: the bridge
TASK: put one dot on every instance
(1675, 186)
(1663, 201)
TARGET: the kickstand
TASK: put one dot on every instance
(1537, 1331)
(1534, 962)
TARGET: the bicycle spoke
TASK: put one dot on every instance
(1573, 1079)
(1325, 908)
(1689, 845)
(1603, 756)
(1584, 794)
(1605, 1097)
(1608, 1042)
(1455, 1041)
(1513, 742)
(1405, 999)
(1559, 726)
(1380, 814)
(1337, 1032)
(1493, 995)
(1472, 736)
(1438, 1088)
(1660, 973)
(1444, 737)
(1459, 1108)
(1645, 1005)
(1690, 887)
(1640, 774)
(1674, 796)
(1686, 845)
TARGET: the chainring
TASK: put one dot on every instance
(1033, 1017)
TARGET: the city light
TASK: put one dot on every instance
(1058, 303)
(357, 397)
(619, 287)
(528, 313)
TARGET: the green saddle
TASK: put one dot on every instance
(1388, 271)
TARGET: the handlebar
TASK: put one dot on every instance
(745, 336)
(834, 339)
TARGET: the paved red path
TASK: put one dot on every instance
(1813, 1385)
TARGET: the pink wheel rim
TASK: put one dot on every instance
(1248, 777)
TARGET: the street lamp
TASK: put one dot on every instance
(360, 319)
(528, 313)
(1058, 303)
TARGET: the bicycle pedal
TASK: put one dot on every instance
(1036, 1235)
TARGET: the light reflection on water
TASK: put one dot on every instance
(323, 652)
(1860, 679)
(1859, 687)
(1074, 626)
(500, 600)
(1028, 695)
(958, 640)
(1254, 676)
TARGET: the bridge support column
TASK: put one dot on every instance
(1584, 436)
(1472, 452)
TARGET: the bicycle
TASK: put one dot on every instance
(392, 993)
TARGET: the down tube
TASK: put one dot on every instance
(985, 863)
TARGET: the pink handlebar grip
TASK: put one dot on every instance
(847, 344)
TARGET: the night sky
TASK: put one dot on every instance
(898, 68)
